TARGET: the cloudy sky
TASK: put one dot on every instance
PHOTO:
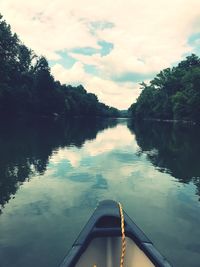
(108, 46)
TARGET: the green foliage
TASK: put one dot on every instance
(27, 87)
(173, 94)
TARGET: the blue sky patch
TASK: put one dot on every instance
(100, 25)
(68, 61)
(88, 51)
(106, 47)
(134, 77)
(65, 60)
(194, 41)
(91, 69)
(193, 38)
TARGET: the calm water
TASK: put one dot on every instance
(53, 175)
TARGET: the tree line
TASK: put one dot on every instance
(27, 87)
(174, 94)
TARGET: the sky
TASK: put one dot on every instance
(107, 46)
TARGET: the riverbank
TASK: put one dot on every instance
(175, 121)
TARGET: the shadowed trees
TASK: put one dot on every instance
(27, 87)
(173, 94)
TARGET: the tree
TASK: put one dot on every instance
(172, 94)
(27, 87)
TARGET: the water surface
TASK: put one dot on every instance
(54, 174)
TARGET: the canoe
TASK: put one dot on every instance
(100, 242)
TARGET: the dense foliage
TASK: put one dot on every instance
(28, 88)
(173, 94)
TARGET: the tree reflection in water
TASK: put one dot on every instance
(26, 147)
(172, 148)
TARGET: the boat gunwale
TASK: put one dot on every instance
(91, 231)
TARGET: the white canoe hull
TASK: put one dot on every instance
(106, 251)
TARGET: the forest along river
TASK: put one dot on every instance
(53, 175)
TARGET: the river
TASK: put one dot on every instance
(52, 175)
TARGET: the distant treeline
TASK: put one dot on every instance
(27, 87)
(174, 94)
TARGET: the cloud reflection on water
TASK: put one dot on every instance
(49, 210)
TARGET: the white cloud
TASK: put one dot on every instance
(147, 35)
(105, 142)
(72, 155)
(74, 75)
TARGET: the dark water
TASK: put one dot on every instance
(52, 175)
